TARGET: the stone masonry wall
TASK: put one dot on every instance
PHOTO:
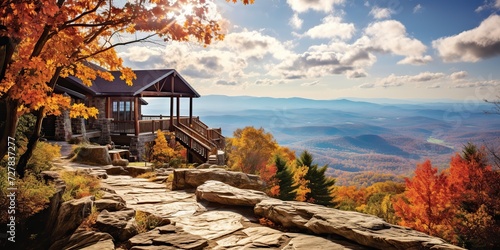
(138, 145)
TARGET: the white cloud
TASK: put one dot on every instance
(253, 44)
(478, 84)
(140, 54)
(321, 60)
(492, 4)
(395, 81)
(381, 13)
(307, 84)
(458, 75)
(390, 37)
(317, 5)
(416, 60)
(417, 8)
(332, 27)
(225, 83)
(269, 82)
(471, 45)
(295, 21)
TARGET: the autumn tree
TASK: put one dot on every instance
(162, 153)
(427, 204)
(250, 149)
(477, 188)
(50, 39)
(318, 183)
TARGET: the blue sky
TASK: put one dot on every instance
(329, 49)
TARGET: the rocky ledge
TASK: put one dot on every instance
(220, 216)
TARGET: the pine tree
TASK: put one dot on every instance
(320, 186)
(285, 180)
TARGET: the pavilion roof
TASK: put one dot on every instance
(149, 83)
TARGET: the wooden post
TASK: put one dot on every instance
(136, 115)
(108, 108)
(190, 111)
(178, 109)
(172, 104)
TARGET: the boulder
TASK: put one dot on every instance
(92, 155)
(114, 170)
(364, 229)
(167, 237)
(137, 170)
(120, 224)
(120, 162)
(110, 202)
(192, 178)
(88, 240)
(71, 214)
(219, 192)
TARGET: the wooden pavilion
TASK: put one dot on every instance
(120, 118)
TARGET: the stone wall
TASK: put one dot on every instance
(104, 124)
(138, 145)
(100, 104)
(63, 127)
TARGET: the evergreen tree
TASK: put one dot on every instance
(319, 184)
(285, 180)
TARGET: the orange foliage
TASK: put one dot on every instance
(299, 174)
(59, 38)
(427, 205)
(250, 149)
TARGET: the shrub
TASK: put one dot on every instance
(79, 185)
(42, 157)
(166, 150)
(89, 222)
(146, 221)
(148, 175)
(32, 196)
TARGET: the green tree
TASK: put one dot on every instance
(320, 185)
(285, 180)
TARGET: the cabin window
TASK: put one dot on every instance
(123, 110)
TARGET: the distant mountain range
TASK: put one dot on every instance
(354, 136)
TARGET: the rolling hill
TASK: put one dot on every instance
(355, 136)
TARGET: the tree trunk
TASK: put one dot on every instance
(32, 141)
(11, 119)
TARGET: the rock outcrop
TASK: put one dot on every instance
(167, 237)
(120, 224)
(88, 240)
(192, 178)
(220, 216)
(71, 214)
(364, 229)
(218, 192)
(93, 155)
(110, 202)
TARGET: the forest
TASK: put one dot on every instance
(458, 203)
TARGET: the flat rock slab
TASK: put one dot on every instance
(192, 178)
(154, 198)
(167, 237)
(364, 229)
(212, 224)
(219, 192)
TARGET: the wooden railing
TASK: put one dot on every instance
(197, 135)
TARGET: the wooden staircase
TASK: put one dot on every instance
(204, 144)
